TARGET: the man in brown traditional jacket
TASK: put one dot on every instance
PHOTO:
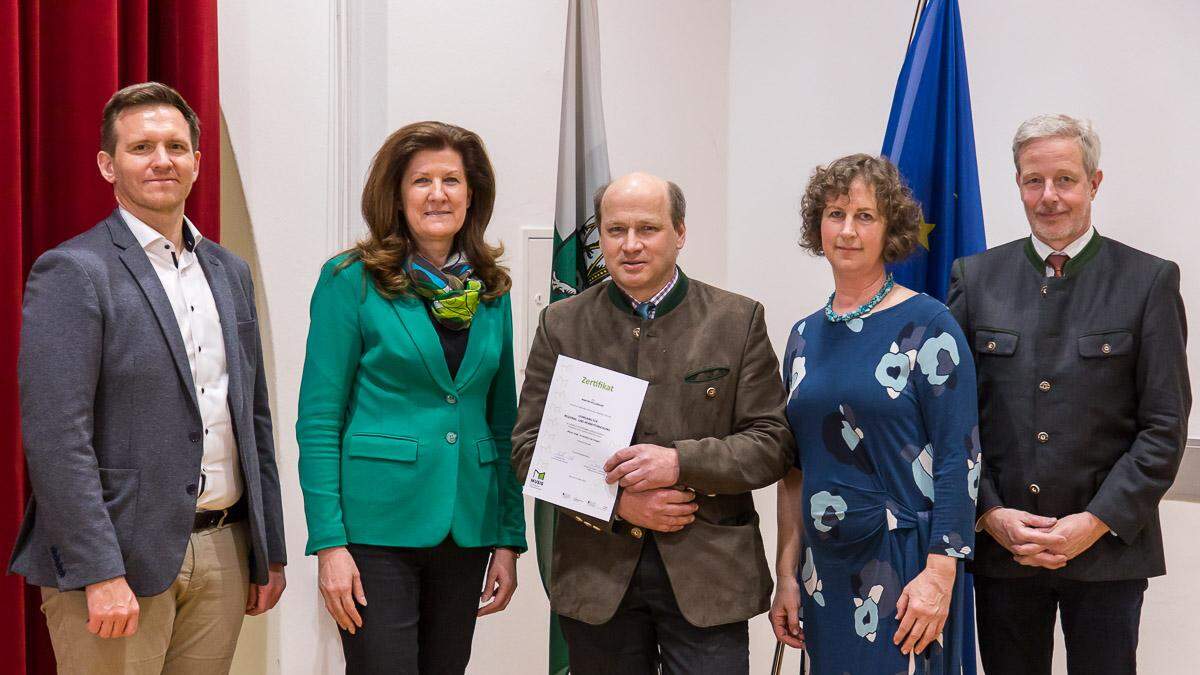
(677, 573)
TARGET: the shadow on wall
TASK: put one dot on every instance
(237, 235)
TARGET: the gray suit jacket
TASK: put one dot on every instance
(715, 395)
(112, 430)
(1083, 396)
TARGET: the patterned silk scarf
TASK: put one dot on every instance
(451, 292)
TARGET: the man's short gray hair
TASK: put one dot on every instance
(1059, 126)
(674, 196)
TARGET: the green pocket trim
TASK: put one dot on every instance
(706, 374)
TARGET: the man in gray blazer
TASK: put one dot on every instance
(675, 576)
(156, 523)
(1083, 405)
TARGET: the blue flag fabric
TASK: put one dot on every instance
(931, 139)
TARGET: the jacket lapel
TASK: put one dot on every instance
(481, 331)
(218, 282)
(414, 316)
(139, 266)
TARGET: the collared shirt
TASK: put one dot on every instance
(655, 299)
(1043, 249)
(199, 323)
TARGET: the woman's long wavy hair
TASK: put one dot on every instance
(390, 241)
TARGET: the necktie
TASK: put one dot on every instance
(1056, 261)
(644, 309)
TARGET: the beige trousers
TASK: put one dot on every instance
(189, 629)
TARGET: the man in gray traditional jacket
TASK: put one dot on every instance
(1083, 404)
(681, 568)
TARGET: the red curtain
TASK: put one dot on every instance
(60, 61)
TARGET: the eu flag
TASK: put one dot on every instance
(931, 140)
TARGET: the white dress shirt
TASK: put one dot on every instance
(195, 310)
(1043, 249)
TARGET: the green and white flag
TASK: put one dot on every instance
(582, 169)
(582, 158)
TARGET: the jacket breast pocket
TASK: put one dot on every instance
(1106, 363)
(996, 342)
(675, 409)
(705, 397)
(1106, 344)
(383, 446)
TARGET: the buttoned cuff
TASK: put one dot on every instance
(627, 529)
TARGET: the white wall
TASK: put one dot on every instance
(495, 68)
(275, 96)
(810, 82)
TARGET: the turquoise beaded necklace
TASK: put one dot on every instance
(865, 308)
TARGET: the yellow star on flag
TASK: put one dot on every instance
(923, 237)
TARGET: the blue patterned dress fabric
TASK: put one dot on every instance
(884, 412)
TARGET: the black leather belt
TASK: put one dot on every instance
(210, 519)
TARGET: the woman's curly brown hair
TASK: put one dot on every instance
(900, 212)
(389, 240)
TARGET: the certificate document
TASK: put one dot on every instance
(590, 413)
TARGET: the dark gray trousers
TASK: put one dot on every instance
(648, 630)
(1016, 620)
(420, 613)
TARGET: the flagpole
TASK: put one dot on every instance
(582, 169)
(916, 15)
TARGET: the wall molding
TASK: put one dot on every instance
(358, 103)
(337, 222)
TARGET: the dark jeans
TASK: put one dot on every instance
(1016, 624)
(649, 629)
(420, 613)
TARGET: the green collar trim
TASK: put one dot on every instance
(1031, 253)
(1074, 265)
(669, 303)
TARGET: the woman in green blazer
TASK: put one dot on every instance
(406, 412)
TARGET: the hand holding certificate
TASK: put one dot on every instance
(590, 413)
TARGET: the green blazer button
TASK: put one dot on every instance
(451, 437)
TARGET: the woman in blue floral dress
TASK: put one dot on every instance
(878, 514)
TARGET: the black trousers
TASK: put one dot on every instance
(648, 629)
(1016, 624)
(420, 613)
